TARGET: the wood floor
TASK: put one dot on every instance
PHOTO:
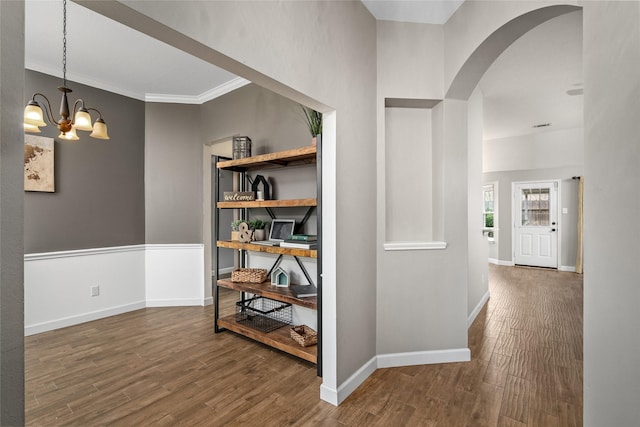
(165, 366)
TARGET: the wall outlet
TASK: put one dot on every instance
(95, 291)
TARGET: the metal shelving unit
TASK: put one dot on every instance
(310, 155)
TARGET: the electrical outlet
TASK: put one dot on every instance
(95, 291)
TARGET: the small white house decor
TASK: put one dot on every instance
(280, 278)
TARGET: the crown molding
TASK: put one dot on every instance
(216, 92)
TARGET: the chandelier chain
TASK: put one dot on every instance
(64, 42)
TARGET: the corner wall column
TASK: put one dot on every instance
(11, 213)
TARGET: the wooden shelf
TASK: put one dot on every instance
(306, 253)
(292, 203)
(279, 339)
(298, 156)
(265, 289)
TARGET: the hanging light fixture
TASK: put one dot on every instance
(68, 123)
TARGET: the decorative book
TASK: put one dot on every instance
(303, 237)
(304, 291)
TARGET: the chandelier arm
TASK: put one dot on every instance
(47, 109)
(96, 110)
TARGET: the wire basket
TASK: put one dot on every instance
(263, 314)
(249, 275)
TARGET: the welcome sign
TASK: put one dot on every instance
(239, 196)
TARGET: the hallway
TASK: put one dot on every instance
(525, 369)
(164, 366)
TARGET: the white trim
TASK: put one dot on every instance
(501, 262)
(206, 96)
(108, 250)
(477, 309)
(81, 252)
(424, 357)
(414, 246)
(336, 397)
(177, 302)
(329, 259)
(82, 79)
(393, 360)
(81, 318)
(569, 268)
(165, 246)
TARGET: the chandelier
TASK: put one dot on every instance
(68, 123)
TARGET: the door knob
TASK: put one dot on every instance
(553, 229)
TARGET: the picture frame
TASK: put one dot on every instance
(39, 164)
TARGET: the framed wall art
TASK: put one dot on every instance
(38, 164)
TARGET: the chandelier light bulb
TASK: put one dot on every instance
(70, 135)
(82, 120)
(33, 115)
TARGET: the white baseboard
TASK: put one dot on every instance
(569, 268)
(336, 397)
(477, 309)
(81, 318)
(501, 262)
(424, 357)
(185, 302)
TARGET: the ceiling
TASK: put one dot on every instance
(425, 11)
(525, 86)
(106, 54)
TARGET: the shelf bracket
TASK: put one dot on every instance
(275, 264)
(270, 212)
(300, 226)
(304, 270)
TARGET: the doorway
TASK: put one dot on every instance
(535, 223)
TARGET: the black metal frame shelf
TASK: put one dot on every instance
(310, 155)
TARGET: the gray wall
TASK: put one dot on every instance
(99, 197)
(612, 208)
(173, 174)
(426, 289)
(273, 122)
(568, 199)
(11, 191)
(176, 134)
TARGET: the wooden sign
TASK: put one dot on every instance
(239, 196)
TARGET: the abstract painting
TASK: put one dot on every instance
(38, 164)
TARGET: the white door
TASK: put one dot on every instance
(536, 224)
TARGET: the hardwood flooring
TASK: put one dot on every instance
(165, 366)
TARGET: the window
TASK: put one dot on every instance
(535, 207)
(489, 204)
